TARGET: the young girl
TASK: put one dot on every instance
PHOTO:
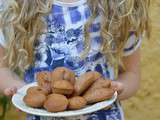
(82, 35)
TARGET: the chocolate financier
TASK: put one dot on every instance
(85, 81)
(98, 95)
(62, 73)
(62, 87)
(44, 80)
(56, 103)
(34, 100)
(76, 102)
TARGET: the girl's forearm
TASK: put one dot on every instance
(130, 81)
(9, 79)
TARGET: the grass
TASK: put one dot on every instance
(4, 104)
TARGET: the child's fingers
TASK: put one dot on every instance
(117, 86)
(7, 92)
(14, 90)
(10, 91)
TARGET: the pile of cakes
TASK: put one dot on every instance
(61, 90)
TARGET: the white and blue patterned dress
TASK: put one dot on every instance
(62, 44)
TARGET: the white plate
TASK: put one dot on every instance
(17, 100)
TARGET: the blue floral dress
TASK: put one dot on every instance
(61, 45)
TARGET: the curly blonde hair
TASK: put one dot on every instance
(22, 23)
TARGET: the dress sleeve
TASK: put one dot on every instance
(132, 44)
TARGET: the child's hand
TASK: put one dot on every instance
(10, 91)
(117, 86)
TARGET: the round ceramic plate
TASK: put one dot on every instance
(17, 101)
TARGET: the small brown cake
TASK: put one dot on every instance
(98, 95)
(34, 100)
(100, 83)
(37, 89)
(62, 87)
(97, 75)
(84, 82)
(62, 73)
(56, 103)
(43, 75)
(76, 102)
(44, 80)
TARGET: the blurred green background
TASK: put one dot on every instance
(146, 104)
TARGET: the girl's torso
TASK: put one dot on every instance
(62, 45)
(63, 42)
